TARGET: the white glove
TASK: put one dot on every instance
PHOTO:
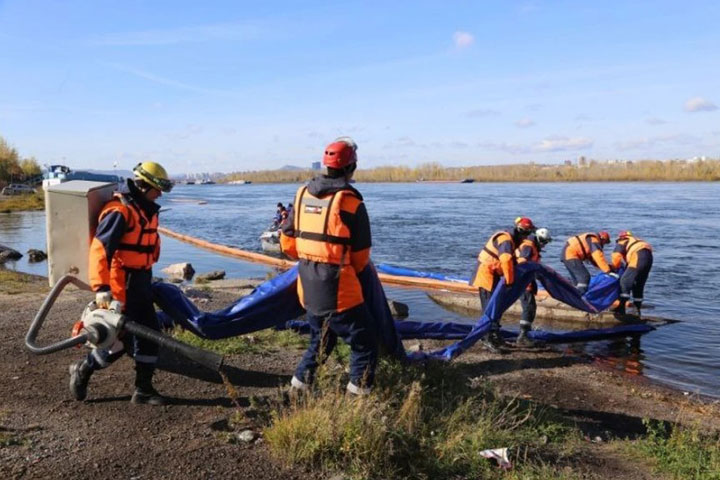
(103, 299)
(614, 275)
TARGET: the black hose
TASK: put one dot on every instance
(37, 322)
(205, 358)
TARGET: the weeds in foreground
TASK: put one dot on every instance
(418, 423)
(257, 342)
(682, 452)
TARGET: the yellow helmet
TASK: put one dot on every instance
(154, 175)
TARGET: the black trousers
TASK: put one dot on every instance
(634, 278)
(579, 273)
(485, 298)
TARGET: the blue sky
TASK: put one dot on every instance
(226, 86)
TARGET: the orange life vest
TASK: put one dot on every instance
(492, 263)
(630, 255)
(534, 252)
(138, 247)
(320, 234)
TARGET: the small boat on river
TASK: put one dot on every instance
(270, 241)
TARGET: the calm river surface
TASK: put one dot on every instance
(441, 227)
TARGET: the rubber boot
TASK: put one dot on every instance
(523, 340)
(80, 373)
(638, 306)
(620, 310)
(493, 342)
(145, 394)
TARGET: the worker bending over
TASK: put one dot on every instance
(330, 235)
(585, 247)
(529, 251)
(497, 259)
(637, 255)
(122, 252)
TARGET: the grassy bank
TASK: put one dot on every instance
(12, 283)
(420, 423)
(592, 171)
(18, 203)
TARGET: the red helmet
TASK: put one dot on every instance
(340, 154)
(624, 234)
(604, 237)
(524, 225)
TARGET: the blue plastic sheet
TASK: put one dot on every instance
(275, 304)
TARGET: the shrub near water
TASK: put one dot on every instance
(416, 424)
(684, 453)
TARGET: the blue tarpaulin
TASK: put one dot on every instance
(275, 304)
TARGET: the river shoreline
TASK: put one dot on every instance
(606, 405)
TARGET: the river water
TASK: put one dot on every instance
(441, 227)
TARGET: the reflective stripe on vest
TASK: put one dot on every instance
(320, 234)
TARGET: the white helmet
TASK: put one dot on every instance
(543, 236)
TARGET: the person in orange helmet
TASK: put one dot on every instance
(585, 247)
(637, 255)
(329, 234)
(497, 259)
(125, 246)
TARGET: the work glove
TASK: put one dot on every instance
(614, 275)
(103, 299)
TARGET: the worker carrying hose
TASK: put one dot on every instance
(123, 250)
(497, 259)
(330, 235)
(585, 247)
(529, 251)
(637, 255)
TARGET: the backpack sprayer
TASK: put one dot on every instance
(100, 326)
(71, 211)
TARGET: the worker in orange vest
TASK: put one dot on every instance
(329, 234)
(125, 246)
(586, 247)
(529, 251)
(637, 255)
(497, 259)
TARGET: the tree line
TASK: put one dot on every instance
(590, 171)
(14, 169)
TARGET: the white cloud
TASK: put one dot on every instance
(463, 39)
(525, 123)
(562, 144)
(699, 104)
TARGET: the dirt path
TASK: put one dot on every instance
(107, 437)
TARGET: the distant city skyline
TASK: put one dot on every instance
(233, 86)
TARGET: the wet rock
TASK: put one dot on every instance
(7, 253)
(214, 275)
(35, 256)
(398, 309)
(246, 436)
(184, 271)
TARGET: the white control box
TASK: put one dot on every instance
(71, 213)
